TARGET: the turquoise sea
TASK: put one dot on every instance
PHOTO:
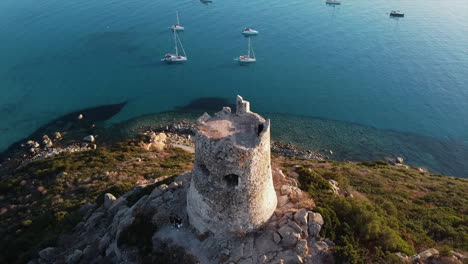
(345, 65)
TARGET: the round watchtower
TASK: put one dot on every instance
(231, 188)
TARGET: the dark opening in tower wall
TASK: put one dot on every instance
(231, 180)
(260, 129)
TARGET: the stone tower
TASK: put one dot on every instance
(231, 188)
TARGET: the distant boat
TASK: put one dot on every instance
(396, 14)
(175, 58)
(206, 1)
(249, 31)
(177, 27)
(244, 59)
(333, 2)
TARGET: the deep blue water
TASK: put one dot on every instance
(350, 62)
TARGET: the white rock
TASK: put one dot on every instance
(163, 187)
(109, 198)
(57, 135)
(89, 138)
(426, 254)
(173, 185)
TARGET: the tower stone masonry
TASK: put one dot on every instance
(231, 189)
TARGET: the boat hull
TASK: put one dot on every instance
(397, 15)
(177, 28)
(174, 59)
(245, 61)
(250, 33)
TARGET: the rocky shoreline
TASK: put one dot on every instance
(179, 134)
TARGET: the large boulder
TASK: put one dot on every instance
(315, 218)
(425, 255)
(289, 236)
(301, 217)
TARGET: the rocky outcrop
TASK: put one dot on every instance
(151, 140)
(433, 256)
(291, 235)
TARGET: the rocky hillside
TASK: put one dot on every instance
(56, 210)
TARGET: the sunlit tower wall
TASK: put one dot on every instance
(231, 188)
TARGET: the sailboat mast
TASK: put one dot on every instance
(248, 50)
(175, 43)
(177, 15)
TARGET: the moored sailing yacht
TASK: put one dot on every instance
(177, 27)
(244, 59)
(175, 58)
(249, 31)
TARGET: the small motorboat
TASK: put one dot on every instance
(245, 59)
(396, 14)
(249, 31)
(333, 2)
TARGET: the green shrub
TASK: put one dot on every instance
(26, 223)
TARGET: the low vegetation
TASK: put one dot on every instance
(42, 199)
(385, 209)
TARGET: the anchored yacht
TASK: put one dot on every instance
(249, 31)
(244, 59)
(175, 58)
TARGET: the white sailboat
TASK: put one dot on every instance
(246, 58)
(249, 31)
(177, 27)
(175, 58)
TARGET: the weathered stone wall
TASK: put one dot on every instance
(231, 188)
